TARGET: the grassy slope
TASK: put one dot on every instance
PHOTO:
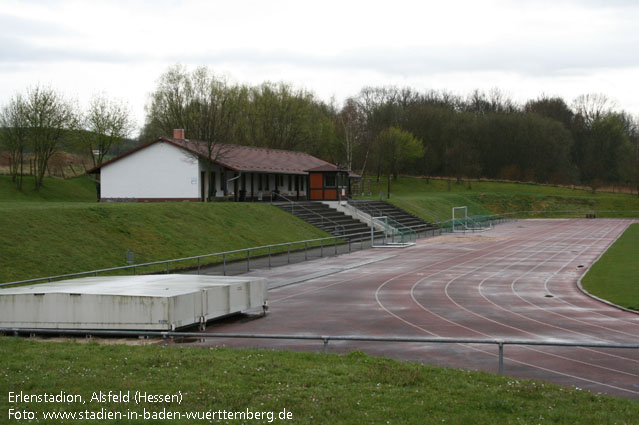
(614, 276)
(433, 201)
(80, 189)
(315, 388)
(45, 238)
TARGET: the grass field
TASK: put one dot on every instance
(615, 277)
(432, 200)
(314, 388)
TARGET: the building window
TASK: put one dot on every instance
(268, 181)
(213, 187)
(297, 182)
(290, 182)
(330, 180)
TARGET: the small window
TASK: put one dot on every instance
(268, 181)
(259, 182)
(290, 182)
(330, 180)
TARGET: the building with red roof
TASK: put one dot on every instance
(177, 169)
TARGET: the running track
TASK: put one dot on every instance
(516, 281)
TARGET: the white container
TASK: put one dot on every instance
(154, 302)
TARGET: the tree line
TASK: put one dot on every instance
(380, 131)
(42, 121)
(391, 131)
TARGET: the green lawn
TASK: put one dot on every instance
(615, 277)
(432, 200)
(79, 189)
(314, 388)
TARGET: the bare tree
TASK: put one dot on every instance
(593, 107)
(353, 127)
(108, 122)
(13, 136)
(50, 118)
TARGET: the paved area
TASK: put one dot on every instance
(517, 281)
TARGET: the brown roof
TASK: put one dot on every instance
(253, 159)
(244, 158)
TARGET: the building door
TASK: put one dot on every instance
(316, 186)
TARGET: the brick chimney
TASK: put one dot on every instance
(178, 133)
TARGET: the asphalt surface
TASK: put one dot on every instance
(517, 281)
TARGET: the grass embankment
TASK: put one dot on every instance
(48, 238)
(314, 388)
(432, 200)
(615, 276)
(79, 189)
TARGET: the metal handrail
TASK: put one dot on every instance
(445, 223)
(134, 267)
(375, 212)
(368, 209)
(324, 338)
(293, 204)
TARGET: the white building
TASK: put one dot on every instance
(175, 169)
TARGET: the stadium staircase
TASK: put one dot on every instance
(339, 224)
(328, 219)
(384, 209)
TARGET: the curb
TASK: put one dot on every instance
(594, 297)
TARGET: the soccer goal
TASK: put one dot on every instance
(462, 223)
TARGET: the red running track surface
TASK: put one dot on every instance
(516, 281)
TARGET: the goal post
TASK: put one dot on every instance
(461, 222)
(462, 216)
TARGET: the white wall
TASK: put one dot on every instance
(160, 170)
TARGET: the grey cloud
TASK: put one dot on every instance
(18, 50)
(20, 27)
(525, 58)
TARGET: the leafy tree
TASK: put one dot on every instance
(551, 107)
(397, 147)
(606, 145)
(282, 117)
(205, 106)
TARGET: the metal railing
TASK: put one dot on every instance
(394, 231)
(504, 217)
(227, 257)
(426, 231)
(376, 212)
(325, 339)
(293, 204)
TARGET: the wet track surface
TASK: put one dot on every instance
(516, 281)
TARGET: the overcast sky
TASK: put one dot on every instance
(333, 48)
